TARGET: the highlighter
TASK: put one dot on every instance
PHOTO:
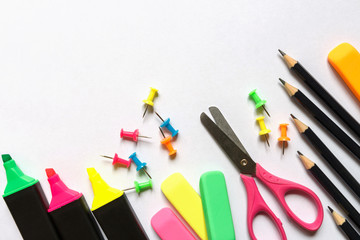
(113, 211)
(27, 203)
(69, 211)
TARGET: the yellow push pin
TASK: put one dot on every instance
(263, 130)
(283, 138)
(150, 99)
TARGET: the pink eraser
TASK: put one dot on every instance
(169, 227)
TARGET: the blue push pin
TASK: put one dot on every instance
(166, 124)
(139, 165)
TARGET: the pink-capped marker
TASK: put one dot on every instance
(131, 135)
(117, 160)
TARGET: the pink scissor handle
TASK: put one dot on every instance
(256, 205)
(280, 187)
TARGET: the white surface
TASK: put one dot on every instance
(73, 73)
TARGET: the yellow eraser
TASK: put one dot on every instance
(345, 59)
(186, 201)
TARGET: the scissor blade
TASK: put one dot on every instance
(240, 158)
(225, 127)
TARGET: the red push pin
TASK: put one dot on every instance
(167, 142)
(117, 160)
(131, 135)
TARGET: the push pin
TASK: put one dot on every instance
(166, 124)
(263, 130)
(150, 99)
(167, 142)
(117, 160)
(283, 138)
(131, 135)
(139, 165)
(258, 102)
(140, 187)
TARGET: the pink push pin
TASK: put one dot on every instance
(117, 160)
(131, 135)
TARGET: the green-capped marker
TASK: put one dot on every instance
(140, 187)
(16, 179)
(258, 101)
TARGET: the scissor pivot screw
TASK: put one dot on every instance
(243, 162)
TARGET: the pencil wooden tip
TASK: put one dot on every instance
(339, 220)
(281, 52)
(331, 210)
(308, 164)
(300, 153)
(282, 81)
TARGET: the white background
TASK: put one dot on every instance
(73, 73)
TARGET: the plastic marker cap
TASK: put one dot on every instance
(103, 193)
(61, 194)
(140, 187)
(16, 179)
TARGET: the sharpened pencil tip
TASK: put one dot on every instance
(282, 53)
(331, 210)
(292, 116)
(300, 153)
(282, 81)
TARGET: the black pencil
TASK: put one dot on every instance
(333, 191)
(328, 155)
(334, 105)
(344, 225)
(324, 120)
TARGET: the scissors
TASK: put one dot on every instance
(227, 139)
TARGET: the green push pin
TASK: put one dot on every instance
(140, 187)
(258, 102)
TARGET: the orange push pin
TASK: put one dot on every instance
(283, 138)
(263, 130)
(167, 142)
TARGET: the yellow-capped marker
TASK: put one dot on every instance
(103, 193)
(150, 99)
(263, 130)
(113, 211)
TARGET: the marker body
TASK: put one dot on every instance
(27, 203)
(70, 212)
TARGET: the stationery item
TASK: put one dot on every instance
(117, 160)
(140, 187)
(283, 138)
(149, 101)
(345, 59)
(134, 136)
(169, 227)
(263, 130)
(186, 201)
(344, 225)
(139, 165)
(322, 93)
(223, 134)
(258, 101)
(216, 205)
(69, 211)
(27, 203)
(323, 119)
(332, 190)
(166, 141)
(113, 211)
(328, 155)
(166, 124)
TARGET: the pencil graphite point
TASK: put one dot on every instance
(281, 52)
(331, 210)
(282, 81)
(300, 153)
(293, 117)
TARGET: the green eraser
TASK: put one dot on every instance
(216, 205)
